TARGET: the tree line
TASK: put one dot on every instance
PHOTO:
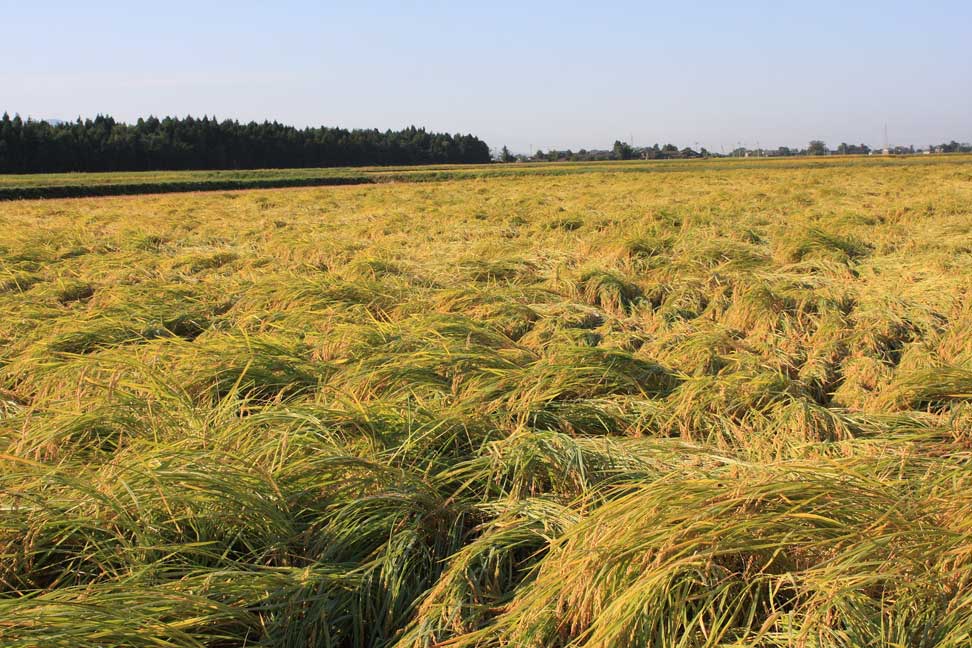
(624, 151)
(620, 151)
(818, 147)
(153, 144)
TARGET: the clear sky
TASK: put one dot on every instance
(556, 74)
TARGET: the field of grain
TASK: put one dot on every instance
(717, 406)
(77, 185)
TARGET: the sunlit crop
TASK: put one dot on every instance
(705, 406)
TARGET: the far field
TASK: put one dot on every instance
(74, 185)
(717, 403)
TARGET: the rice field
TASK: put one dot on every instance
(82, 185)
(699, 407)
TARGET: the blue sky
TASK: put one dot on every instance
(526, 74)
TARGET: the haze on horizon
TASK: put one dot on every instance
(526, 75)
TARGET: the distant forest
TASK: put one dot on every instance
(152, 144)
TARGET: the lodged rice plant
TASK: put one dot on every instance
(676, 406)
